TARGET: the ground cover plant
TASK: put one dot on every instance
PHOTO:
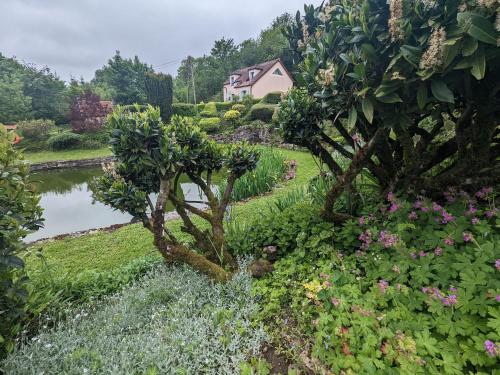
(174, 320)
(413, 287)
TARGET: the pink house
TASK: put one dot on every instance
(258, 80)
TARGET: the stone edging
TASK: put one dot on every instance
(61, 164)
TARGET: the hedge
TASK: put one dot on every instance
(224, 106)
(210, 124)
(262, 112)
(184, 109)
(210, 110)
(272, 98)
(64, 141)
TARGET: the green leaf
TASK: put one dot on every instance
(367, 106)
(478, 64)
(478, 27)
(469, 46)
(441, 91)
(353, 116)
(422, 96)
(390, 99)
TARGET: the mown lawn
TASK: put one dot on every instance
(45, 156)
(104, 251)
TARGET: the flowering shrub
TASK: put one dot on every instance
(413, 289)
(173, 321)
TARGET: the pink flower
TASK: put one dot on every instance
(449, 241)
(449, 196)
(490, 213)
(418, 204)
(490, 348)
(393, 208)
(422, 254)
(453, 289)
(438, 251)
(366, 239)
(412, 215)
(390, 196)
(383, 285)
(335, 302)
(436, 207)
(413, 255)
(497, 264)
(467, 236)
(471, 211)
(484, 192)
(474, 221)
(497, 298)
(447, 217)
(387, 239)
(362, 220)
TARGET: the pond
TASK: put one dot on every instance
(68, 206)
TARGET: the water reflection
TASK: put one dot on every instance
(68, 206)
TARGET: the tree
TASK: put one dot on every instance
(389, 79)
(14, 105)
(20, 214)
(125, 77)
(159, 91)
(150, 158)
(88, 112)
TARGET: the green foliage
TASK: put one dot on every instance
(210, 124)
(412, 289)
(239, 107)
(159, 93)
(224, 106)
(184, 109)
(269, 171)
(232, 116)
(125, 78)
(173, 320)
(272, 98)
(14, 105)
(210, 110)
(373, 66)
(19, 215)
(36, 130)
(64, 141)
(262, 112)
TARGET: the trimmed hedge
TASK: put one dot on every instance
(184, 109)
(224, 106)
(272, 98)
(210, 124)
(210, 110)
(64, 141)
(35, 130)
(262, 112)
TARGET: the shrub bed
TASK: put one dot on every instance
(64, 141)
(210, 124)
(35, 130)
(184, 109)
(210, 110)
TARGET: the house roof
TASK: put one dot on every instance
(244, 73)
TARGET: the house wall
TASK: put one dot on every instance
(270, 82)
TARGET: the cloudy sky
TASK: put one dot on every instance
(75, 37)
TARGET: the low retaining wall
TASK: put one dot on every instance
(61, 164)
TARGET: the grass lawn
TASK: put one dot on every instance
(105, 251)
(45, 156)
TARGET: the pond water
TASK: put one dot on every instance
(68, 206)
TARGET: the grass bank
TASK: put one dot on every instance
(105, 251)
(45, 156)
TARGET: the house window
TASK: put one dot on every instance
(277, 72)
(252, 74)
(232, 80)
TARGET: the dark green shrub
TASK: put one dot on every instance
(210, 110)
(184, 109)
(159, 92)
(19, 215)
(64, 141)
(262, 112)
(210, 124)
(272, 98)
(200, 107)
(35, 130)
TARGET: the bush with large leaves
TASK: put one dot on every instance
(150, 158)
(411, 87)
(19, 214)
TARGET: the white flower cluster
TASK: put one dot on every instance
(433, 56)
(396, 9)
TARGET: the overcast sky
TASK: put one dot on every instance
(75, 37)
